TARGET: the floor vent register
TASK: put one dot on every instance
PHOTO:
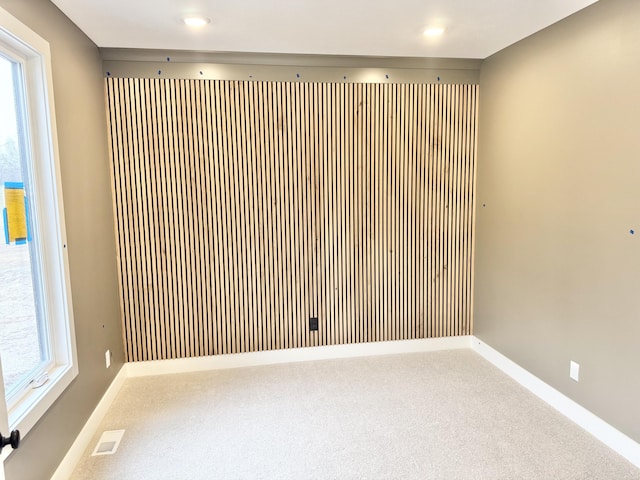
(108, 443)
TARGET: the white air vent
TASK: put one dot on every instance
(108, 443)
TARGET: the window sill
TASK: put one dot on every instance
(35, 402)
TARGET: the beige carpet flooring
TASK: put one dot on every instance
(443, 415)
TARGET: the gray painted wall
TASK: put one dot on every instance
(81, 122)
(557, 269)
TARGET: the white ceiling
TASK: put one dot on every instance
(474, 28)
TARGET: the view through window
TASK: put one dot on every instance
(37, 338)
(22, 336)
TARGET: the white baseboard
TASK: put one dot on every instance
(593, 424)
(604, 432)
(238, 360)
(73, 456)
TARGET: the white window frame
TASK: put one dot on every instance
(47, 212)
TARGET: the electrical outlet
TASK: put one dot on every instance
(107, 358)
(574, 371)
(313, 324)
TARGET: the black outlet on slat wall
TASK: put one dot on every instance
(313, 324)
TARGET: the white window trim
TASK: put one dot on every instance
(31, 406)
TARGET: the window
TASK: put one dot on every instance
(37, 341)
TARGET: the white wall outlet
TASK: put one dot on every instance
(574, 371)
(107, 358)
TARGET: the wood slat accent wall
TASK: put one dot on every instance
(243, 208)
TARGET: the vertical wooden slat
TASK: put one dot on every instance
(160, 193)
(210, 168)
(473, 119)
(420, 217)
(384, 206)
(240, 218)
(189, 245)
(345, 156)
(159, 278)
(257, 278)
(120, 207)
(360, 284)
(286, 189)
(315, 159)
(200, 235)
(442, 193)
(347, 160)
(131, 229)
(295, 248)
(145, 210)
(112, 104)
(309, 161)
(272, 328)
(222, 211)
(321, 225)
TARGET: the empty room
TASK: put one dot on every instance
(324, 240)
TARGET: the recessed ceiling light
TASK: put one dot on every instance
(195, 21)
(433, 31)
